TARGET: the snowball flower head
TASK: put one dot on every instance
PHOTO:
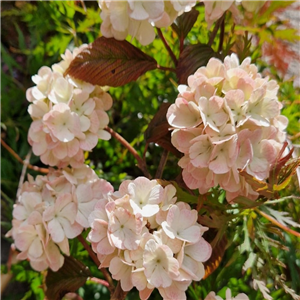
(69, 116)
(226, 120)
(52, 209)
(134, 234)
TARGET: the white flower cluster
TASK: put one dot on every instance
(68, 115)
(215, 9)
(122, 18)
(227, 119)
(147, 240)
(52, 209)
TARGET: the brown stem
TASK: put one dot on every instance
(222, 32)
(119, 294)
(23, 174)
(18, 158)
(162, 163)
(141, 163)
(200, 202)
(215, 31)
(166, 68)
(275, 222)
(167, 46)
(89, 250)
(97, 262)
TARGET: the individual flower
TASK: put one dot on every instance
(69, 116)
(226, 120)
(160, 265)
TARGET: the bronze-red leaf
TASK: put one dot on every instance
(69, 278)
(158, 130)
(110, 62)
(185, 22)
(192, 58)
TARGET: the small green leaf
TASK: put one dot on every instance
(110, 62)
(69, 278)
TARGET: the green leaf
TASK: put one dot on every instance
(69, 278)
(110, 62)
(185, 22)
(245, 202)
(192, 58)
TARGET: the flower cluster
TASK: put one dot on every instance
(122, 18)
(212, 296)
(52, 209)
(215, 9)
(227, 119)
(148, 240)
(68, 115)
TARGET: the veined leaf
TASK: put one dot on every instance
(185, 22)
(69, 278)
(110, 62)
(192, 58)
(281, 216)
(158, 130)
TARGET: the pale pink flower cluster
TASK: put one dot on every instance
(135, 18)
(52, 209)
(227, 119)
(68, 115)
(212, 296)
(148, 240)
(215, 9)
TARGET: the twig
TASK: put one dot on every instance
(18, 158)
(275, 222)
(215, 31)
(222, 35)
(167, 46)
(88, 249)
(162, 163)
(166, 68)
(119, 294)
(200, 202)
(141, 163)
(97, 262)
(25, 165)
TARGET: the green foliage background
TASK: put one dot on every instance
(35, 34)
